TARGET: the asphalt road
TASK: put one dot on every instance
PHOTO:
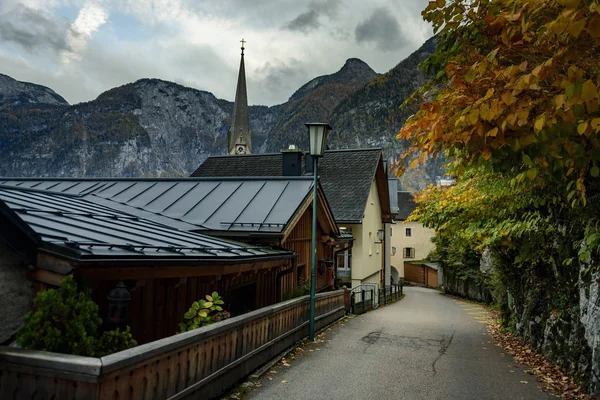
(426, 346)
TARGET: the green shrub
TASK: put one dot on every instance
(204, 312)
(115, 341)
(64, 321)
(67, 321)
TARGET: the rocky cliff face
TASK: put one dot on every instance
(157, 128)
(147, 128)
(13, 92)
(315, 101)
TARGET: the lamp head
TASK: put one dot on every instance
(317, 132)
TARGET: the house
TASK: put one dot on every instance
(356, 187)
(411, 240)
(253, 213)
(46, 236)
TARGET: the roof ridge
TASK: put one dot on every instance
(181, 179)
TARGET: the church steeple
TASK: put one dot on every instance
(238, 139)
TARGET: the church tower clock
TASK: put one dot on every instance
(239, 140)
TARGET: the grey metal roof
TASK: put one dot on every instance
(213, 204)
(346, 175)
(406, 205)
(78, 227)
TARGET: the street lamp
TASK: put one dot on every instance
(317, 132)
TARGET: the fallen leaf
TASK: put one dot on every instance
(284, 382)
(523, 381)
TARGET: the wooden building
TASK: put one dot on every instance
(170, 241)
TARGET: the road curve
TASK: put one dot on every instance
(426, 346)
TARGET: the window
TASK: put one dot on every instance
(409, 252)
(408, 232)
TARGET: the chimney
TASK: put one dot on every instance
(308, 164)
(291, 160)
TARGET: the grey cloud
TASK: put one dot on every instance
(310, 19)
(304, 21)
(272, 81)
(382, 29)
(33, 29)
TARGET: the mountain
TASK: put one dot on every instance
(13, 92)
(153, 127)
(314, 102)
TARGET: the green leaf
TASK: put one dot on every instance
(208, 304)
(595, 171)
(532, 173)
(209, 298)
(219, 302)
(190, 314)
(218, 308)
(527, 160)
(195, 305)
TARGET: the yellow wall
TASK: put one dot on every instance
(367, 258)
(420, 240)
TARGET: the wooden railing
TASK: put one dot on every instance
(197, 364)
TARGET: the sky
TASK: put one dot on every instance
(83, 48)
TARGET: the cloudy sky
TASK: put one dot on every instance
(82, 48)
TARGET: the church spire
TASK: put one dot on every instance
(238, 139)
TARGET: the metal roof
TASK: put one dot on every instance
(346, 176)
(263, 205)
(78, 227)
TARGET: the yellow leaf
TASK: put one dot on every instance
(414, 163)
(486, 154)
(508, 98)
(570, 3)
(536, 71)
(576, 27)
(493, 132)
(523, 66)
(474, 116)
(589, 91)
(489, 93)
(440, 3)
(539, 123)
(512, 119)
(596, 124)
(582, 127)
(559, 27)
(559, 100)
(593, 28)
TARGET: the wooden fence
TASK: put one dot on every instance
(198, 364)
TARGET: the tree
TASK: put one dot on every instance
(516, 89)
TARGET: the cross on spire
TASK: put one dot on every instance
(243, 41)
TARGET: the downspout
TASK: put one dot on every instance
(281, 274)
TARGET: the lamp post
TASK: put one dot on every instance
(317, 132)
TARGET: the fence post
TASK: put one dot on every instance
(372, 299)
(362, 298)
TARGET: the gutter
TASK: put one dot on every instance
(166, 261)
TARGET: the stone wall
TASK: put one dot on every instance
(589, 305)
(16, 292)
(469, 288)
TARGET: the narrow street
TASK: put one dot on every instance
(427, 346)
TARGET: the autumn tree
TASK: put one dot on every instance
(517, 89)
(514, 104)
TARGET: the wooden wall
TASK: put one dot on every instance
(421, 274)
(158, 305)
(300, 242)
